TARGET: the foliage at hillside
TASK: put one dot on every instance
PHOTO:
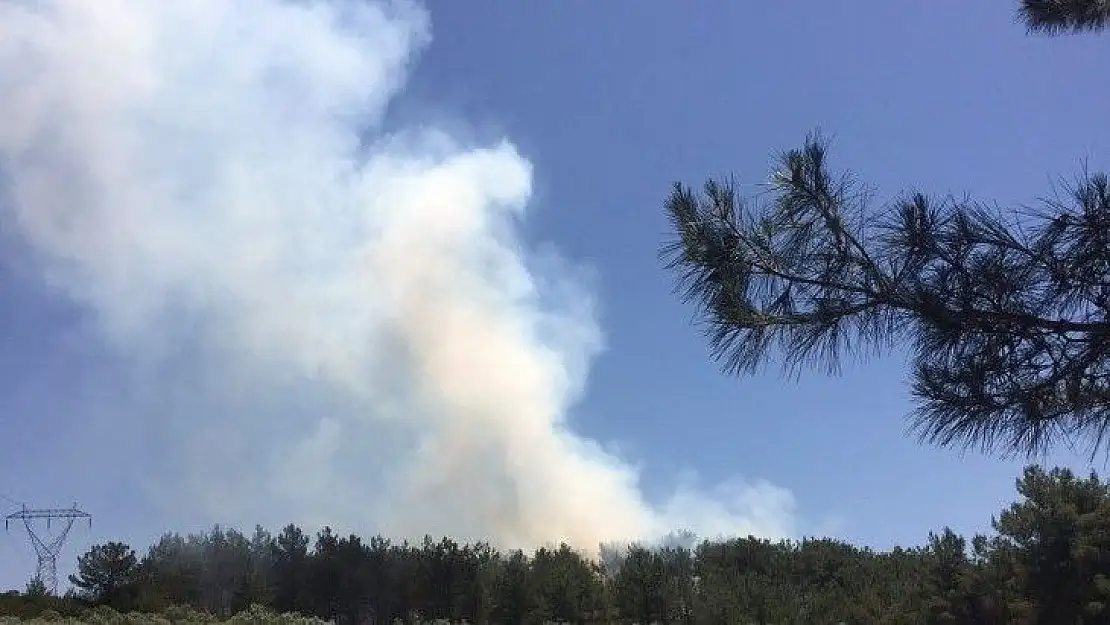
(104, 615)
(1047, 561)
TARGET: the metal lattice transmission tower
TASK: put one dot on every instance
(48, 546)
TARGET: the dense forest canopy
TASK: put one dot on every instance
(1047, 561)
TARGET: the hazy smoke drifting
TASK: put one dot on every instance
(212, 180)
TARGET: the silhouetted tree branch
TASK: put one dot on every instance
(1007, 318)
(1053, 17)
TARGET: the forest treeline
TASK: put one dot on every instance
(1047, 560)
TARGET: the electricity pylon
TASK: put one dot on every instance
(47, 548)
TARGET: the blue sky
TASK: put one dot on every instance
(615, 101)
(611, 103)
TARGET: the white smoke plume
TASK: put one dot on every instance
(214, 181)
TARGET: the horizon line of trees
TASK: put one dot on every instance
(1047, 561)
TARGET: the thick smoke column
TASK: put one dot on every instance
(217, 173)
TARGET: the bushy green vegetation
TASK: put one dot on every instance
(1047, 561)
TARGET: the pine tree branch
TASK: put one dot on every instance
(1054, 17)
(1000, 320)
